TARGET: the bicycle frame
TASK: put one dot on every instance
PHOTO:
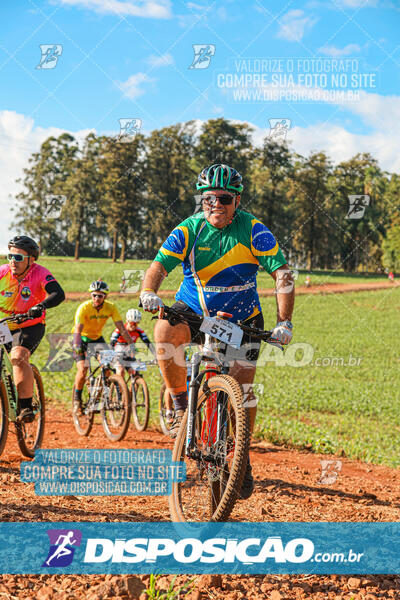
(207, 353)
(6, 371)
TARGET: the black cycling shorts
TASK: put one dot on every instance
(250, 347)
(84, 346)
(28, 337)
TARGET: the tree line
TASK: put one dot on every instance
(122, 198)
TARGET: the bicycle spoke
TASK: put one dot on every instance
(214, 469)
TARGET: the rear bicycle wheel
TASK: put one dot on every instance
(116, 411)
(165, 403)
(3, 417)
(213, 477)
(140, 403)
(83, 415)
(30, 435)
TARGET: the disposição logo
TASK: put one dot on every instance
(63, 543)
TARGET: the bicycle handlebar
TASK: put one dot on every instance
(20, 318)
(176, 315)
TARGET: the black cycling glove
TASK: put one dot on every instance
(36, 311)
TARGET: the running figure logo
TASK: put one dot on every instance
(202, 56)
(128, 129)
(278, 128)
(63, 543)
(357, 205)
(50, 55)
(61, 354)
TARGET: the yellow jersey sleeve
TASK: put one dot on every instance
(115, 314)
(80, 314)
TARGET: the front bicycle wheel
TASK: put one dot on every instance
(216, 467)
(116, 411)
(30, 435)
(3, 417)
(82, 413)
(140, 403)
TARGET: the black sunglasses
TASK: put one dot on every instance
(98, 296)
(225, 200)
(16, 257)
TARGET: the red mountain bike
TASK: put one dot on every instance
(213, 438)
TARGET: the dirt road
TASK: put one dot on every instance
(287, 489)
(323, 288)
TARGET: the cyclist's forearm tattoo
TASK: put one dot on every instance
(154, 277)
(284, 294)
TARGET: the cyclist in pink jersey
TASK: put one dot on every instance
(26, 287)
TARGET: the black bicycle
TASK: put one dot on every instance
(213, 438)
(29, 431)
(106, 393)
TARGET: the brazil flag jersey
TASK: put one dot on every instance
(220, 265)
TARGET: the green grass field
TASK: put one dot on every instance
(353, 410)
(76, 275)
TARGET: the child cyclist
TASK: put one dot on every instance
(117, 341)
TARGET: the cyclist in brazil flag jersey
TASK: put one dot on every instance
(26, 287)
(221, 249)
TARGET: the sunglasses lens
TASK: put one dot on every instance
(16, 257)
(225, 200)
(212, 200)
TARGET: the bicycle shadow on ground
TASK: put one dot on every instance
(290, 489)
(42, 510)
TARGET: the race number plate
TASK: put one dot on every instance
(222, 330)
(137, 366)
(5, 334)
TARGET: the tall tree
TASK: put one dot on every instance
(308, 190)
(85, 196)
(222, 141)
(45, 177)
(359, 239)
(270, 173)
(121, 177)
(169, 179)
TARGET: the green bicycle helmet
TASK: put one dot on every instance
(220, 177)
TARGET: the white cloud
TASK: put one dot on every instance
(19, 139)
(131, 87)
(357, 3)
(155, 9)
(294, 25)
(337, 52)
(193, 6)
(380, 114)
(160, 61)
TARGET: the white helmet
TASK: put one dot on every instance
(133, 315)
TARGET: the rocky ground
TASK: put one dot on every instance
(288, 488)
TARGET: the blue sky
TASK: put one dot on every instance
(131, 59)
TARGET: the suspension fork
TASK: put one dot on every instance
(194, 386)
(105, 395)
(11, 390)
(222, 411)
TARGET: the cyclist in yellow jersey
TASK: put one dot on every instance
(90, 319)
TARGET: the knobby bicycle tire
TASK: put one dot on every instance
(30, 435)
(116, 416)
(3, 417)
(140, 403)
(83, 421)
(191, 500)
